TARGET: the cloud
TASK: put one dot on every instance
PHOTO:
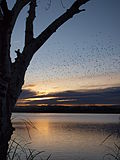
(99, 96)
(26, 93)
(29, 86)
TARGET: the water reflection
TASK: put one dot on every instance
(69, 136)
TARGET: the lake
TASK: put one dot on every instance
(69, 136)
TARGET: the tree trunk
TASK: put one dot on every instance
(6, 129)
(5, 136)
(10, 87)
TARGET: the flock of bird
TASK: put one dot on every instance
(100, 58)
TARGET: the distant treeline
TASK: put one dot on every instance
(68, 109)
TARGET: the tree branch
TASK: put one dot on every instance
(29, 23)
(4, 8)
(1, 15)
(16, 10)
(30, 50)
(43, 37)
(5, 14)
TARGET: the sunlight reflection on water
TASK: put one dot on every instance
(69, 136)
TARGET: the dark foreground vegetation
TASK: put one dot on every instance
(69, 109)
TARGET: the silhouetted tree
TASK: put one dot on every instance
(12, 74)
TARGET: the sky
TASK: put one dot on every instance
(80, 60)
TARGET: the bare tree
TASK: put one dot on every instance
(12, 74)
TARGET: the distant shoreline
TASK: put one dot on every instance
(115, 109)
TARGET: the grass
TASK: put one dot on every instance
(19, 151)
(114, 153)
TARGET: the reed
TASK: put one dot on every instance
(19, 151)
(114, 153)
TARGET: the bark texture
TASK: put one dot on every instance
(12, 74)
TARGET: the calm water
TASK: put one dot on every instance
(69, 136)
